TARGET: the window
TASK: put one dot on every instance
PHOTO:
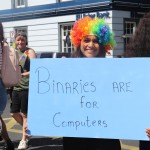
(66, 45)
(129, 28)
(19, 3)
(20, 29)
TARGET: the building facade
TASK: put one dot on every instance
(48, 23)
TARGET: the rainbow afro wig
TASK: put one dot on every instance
(97, 27)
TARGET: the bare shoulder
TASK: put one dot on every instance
(30, 50)
(31, 53)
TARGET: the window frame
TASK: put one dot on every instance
(16, 5)
(126, 36)
(62, 37)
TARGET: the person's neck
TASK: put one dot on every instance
(22, 49)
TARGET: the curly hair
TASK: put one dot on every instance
(139, 44)
(94, 26)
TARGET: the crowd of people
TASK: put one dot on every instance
(92, 38)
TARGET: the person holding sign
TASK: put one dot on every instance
(139, 46)
(91, 38)
(20, 92)
(3, 99)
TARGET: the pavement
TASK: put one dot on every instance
(56, 143)
(40, 143)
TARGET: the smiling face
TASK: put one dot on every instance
(90, 46)
(21, 42)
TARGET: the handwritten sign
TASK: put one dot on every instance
(96, 97)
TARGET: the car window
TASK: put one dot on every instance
(60, 55)
(46, 55)
(52, 55)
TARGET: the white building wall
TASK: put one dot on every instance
(6, 4)
(40, 2)
(118, 28)
(43, 34)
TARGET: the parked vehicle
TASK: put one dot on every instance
(52, 54)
